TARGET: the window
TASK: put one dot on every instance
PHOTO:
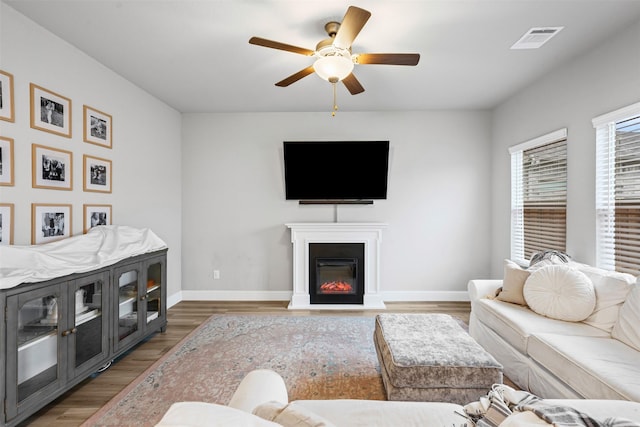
(539, 195)
(618, 190)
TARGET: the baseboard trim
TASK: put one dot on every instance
(236, 295)
(425, 296)
(399, 296)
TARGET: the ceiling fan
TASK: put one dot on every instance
(335, 61)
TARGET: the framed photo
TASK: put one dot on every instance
(50, 222)
(97, 174)
(51, 168)
(95, 215)
(50, 112)
(6, 97)
(6, 161)
(6, 223)
(97, 127)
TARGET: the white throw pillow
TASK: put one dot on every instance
(627, 328)
(560, 292)
(513, 283)
(611, 289)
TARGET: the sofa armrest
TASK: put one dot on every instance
(480, 288)
(257, 387)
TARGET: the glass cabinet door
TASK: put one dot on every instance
(33, 344)
(128, 291)
(153, 295)
(88, 332)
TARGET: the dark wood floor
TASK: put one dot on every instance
(79, 403)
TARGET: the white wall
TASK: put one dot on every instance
(605, 79)
(234, 209)
(146, 138)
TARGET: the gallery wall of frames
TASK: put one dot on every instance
(52, 165)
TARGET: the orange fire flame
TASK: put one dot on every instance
(336, 287)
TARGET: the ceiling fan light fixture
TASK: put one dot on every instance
(333, 67)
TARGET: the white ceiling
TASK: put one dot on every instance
(195, 56)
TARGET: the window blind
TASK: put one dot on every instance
(538, 196)
(618, 190)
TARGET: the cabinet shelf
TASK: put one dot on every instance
(126, 300)
(86, 316)
(34, 336)
(153, 288)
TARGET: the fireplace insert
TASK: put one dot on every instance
(336, 273)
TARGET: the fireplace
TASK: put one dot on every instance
(348, 241)
(336, 273)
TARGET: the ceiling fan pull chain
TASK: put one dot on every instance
(335, 105)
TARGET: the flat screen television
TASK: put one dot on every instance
(336, 170)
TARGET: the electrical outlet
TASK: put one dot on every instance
(216, 274)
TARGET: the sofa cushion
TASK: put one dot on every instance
(515, 323)
(513, 282)
(290, 415)
(595, 367)
(383, 413)
(201, 414)
(627, 328)
(611, 289)
(560, 292)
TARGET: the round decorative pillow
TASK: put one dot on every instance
(560, 292)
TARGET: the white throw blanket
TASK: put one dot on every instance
(100, 247)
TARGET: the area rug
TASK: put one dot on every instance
(319, 357)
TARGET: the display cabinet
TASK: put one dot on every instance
(57, 333)
(141, 297)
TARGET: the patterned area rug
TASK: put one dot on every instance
(319, 357)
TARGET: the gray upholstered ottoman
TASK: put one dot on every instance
(430, 357)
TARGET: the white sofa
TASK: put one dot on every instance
(594, 358)
(261, 400)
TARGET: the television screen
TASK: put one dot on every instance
(336, 170)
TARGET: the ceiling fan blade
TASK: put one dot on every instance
(295, 77)
(352, 23)
(352, 84)
(388, 58)
(281, 46)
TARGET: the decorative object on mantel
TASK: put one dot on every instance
(334, 61)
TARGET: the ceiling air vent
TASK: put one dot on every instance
(536, 37)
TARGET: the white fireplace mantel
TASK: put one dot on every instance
(369, 233)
